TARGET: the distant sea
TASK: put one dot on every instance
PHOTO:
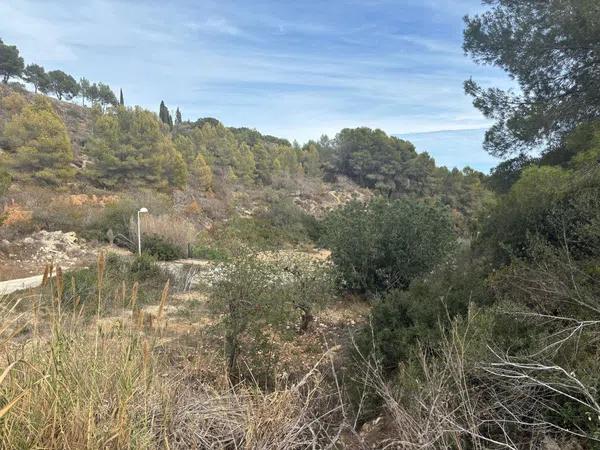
(454, 148)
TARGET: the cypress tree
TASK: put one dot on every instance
(121, 100)
(178, 117)
(163, 113)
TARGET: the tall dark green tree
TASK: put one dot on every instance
(121, 99)
(63, 85)
(36, 75)
(165, 115)
(178, 118)
(551, 48)
(11, 64)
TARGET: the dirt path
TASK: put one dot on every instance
(8, 287)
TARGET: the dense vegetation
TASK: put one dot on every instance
(483, 325)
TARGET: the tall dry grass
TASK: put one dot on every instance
(176, 230)
(69, 381)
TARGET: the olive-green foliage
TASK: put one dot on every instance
(384, 245)
(550, 296)
(39, 144)
(374, 159)
(80, 289)
(62, 85)
(556, 203)
(289, 220)
(243, 155)
(5, 179)
(256, 297)
(144, 268)
(392, 167)
(525, 209)
(131, 148)
(282, 224)
(418, 315)
(116, 217)
(160, 248)
(535, 304)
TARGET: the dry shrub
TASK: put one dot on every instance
(176, 230)
(15, 214)
(300, 416)
(193, 209)
(438, 408)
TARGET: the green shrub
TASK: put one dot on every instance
(161, 249)
(5, 180)
(418, 315)
(144, 267)
(384, 244)
(211, 253)
(257, 297)
(294, 224)
(81, 288)
(116, 217)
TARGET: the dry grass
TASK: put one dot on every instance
(177, 230)
(69, 382)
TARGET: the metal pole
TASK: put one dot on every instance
(139, 235)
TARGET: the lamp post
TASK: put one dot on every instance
(142, 210)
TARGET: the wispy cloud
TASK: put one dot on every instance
(215, 25)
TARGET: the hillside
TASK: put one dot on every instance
(170, 283)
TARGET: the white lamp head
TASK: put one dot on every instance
(143, 210)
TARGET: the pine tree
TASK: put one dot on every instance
(40, 144)
(130, 148)
(178, 119)
(202, 173)
(121, 100)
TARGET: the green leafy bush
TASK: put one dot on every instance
(291, 221)
(144, 267)
(160, 248)
(384, 244)
(116, 216)
(401, 319)
(257, 297)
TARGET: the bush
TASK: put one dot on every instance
(210, 253)
(384, 245)
(115, 217)
(258, 298)
(161, 249)
(144, 267)
(291, 221)
(418, 315)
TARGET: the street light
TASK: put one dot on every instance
(142, 210)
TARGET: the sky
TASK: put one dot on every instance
(294, 69)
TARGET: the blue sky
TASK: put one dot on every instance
(296, 69)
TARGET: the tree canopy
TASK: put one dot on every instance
(11, 64)
(36, 75)
(63, 85)
(40, 143)
(131, 149)
(551, 49)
